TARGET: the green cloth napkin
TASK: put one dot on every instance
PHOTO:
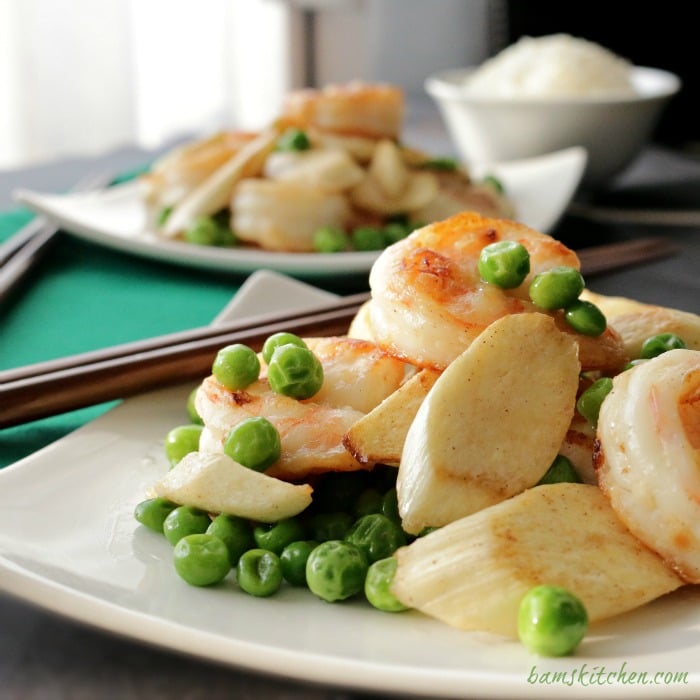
(82, 297)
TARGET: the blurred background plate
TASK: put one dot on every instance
(540, 188)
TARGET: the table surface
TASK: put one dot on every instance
(44, 656)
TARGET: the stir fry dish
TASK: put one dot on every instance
(491, 444)
(329, 175)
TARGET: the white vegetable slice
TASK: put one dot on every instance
(218, 484)
(473, 573)
(492, 423)
(379, 436)
(388, 169)
(328, 170)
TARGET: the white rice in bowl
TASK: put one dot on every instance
(558, 65)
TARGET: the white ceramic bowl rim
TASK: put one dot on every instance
(652, 84)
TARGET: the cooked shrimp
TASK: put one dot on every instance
(357, 377)
(355, 109)
(357, 373)
(648, 459)
(281, 215)
(311, 433)
(429, 302)
(180, 170)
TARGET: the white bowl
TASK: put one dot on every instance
(613, 130)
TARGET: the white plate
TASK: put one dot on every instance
(541, 189)
(69, 543)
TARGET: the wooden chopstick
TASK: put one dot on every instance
(71, 387)
(613, 256)
(21, 252)
(26, 257)
(196, 335)
(47, 388)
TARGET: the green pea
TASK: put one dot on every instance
(276, 536)
(495, 183)
(398, 218)
(277, 339)
(192, 413)
(338, 491)
(390, 505)
(181, 441)
(376, 536)
(259, 573)
(204, 231)
(293, 561)
(293, 140)
(226, 238)
(383, 477)
(330, 239)
(236, 366)
(153, 511)
(294, 371)
(330, 526)
(336, 570)
(659, 344)
(634, 363)
(201, 559)
(585, 318)
(552, 621)
(395, 232)
(236, 533)
(561, 470)
(183, 521)
(368, 238)
(254, 443)
(443, 164)
(556, 288)
(504, 263)
(163, 215)
(380, 576)
(590, 401)
(427, 530)
(369, 501)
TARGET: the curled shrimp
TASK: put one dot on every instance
(429, 302)
(356, 109)
(284, 215)
(357, 377)
(648, 456)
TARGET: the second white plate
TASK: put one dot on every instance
(540, 188)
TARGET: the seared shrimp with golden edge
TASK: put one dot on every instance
(648, 460)
(357, 377)
(429, 301)
(355, 109)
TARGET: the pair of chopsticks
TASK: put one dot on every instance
(640, 217)
(49, 388)
(21, 253)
